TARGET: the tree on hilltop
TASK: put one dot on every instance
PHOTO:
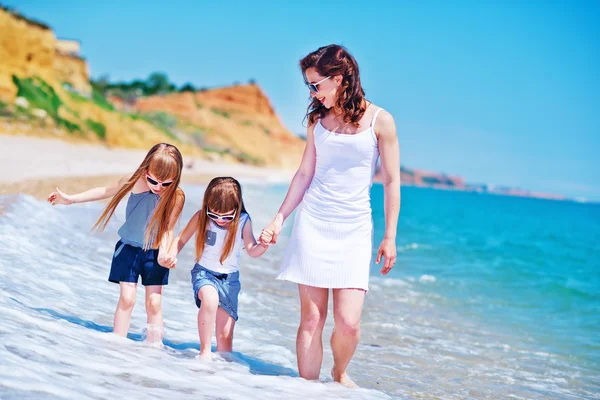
(188, 87)
(158, 83)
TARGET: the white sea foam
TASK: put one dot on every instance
(57, 310)
(427, 278)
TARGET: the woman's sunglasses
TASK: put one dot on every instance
(314, 87)
(216, 217)
(154, 182)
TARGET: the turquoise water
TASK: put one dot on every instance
(528, 267)
(492, 297)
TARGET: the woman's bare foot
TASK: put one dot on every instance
(343, 379)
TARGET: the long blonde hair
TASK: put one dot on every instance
(165, 162)
(222, 195)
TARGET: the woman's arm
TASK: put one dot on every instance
(296, 191)
(389, 151)
(97, 193)
(253, 248)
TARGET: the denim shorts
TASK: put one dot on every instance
(228, 287)
(129, 262)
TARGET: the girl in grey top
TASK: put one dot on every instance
(153, 207)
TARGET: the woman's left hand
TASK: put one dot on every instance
(387, 250)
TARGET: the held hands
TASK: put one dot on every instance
(167, 260)
(266, 237)
(387, 250)
(59, 197)
(270, 233)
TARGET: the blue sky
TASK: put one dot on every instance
(503, 94)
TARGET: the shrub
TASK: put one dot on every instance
(220, 112)
(163, 121)
(99, 99)
(248, 159)
(70, 126)
(39, 94)
(98, 128)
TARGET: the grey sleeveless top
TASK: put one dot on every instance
(140, 208)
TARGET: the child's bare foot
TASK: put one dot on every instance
(343, 379)
(153, 335)
(205, 356)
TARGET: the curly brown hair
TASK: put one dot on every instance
(335, 60)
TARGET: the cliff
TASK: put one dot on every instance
(45, 91)
(30, 48)
(436, 180)
(239, 117)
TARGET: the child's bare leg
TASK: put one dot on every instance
(154, 313)
(209, 303)
(124, 308)
(225, 325)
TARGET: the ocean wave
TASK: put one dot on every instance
(427, 279)
(58, 309)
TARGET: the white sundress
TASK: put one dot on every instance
(332, 238)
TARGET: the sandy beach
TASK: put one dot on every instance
(35, 166)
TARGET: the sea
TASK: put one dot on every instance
(492, 297)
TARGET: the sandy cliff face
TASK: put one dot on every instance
(28, 49)
(233, 123)
(240, 117)
(73, 70)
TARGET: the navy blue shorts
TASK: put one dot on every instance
(129, 262)
(228, 287)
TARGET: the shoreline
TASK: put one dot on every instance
(41, 188)
(36, 166)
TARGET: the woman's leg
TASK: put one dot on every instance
(225, 325)
(207, 314)
(154, 313)
(309, 342)
(347, 307)
(124, 308)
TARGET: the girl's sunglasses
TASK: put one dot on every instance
(155, 182)
(216, 217)
(314, 87)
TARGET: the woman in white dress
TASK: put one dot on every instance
(331, 242)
